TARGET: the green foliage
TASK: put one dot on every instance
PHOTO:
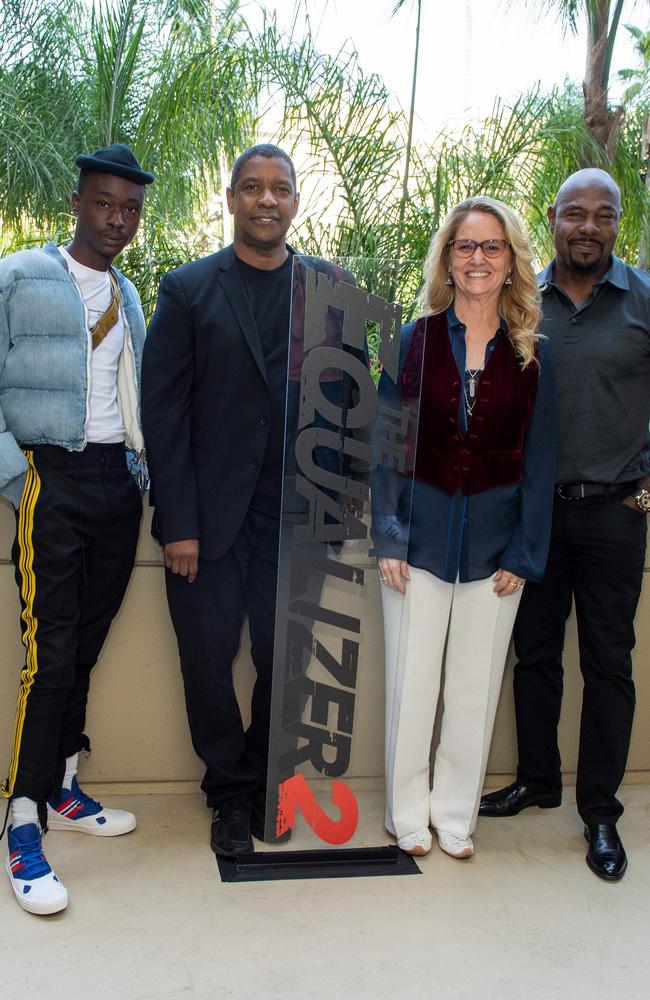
(173, 81)
(638, 91)
(520, 154)
(185, 84)
(342, 117)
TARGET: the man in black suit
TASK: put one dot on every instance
(213, 400)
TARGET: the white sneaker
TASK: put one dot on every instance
(456, 847)
(418, 843)
(77, 811)
(35, 886)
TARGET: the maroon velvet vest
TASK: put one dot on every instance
(491, 453)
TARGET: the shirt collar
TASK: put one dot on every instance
(616, 275)
(455, 324)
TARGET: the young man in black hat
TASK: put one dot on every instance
(71, 462)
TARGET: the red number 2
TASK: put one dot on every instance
(295, 793)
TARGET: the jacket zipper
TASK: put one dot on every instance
(88, 355)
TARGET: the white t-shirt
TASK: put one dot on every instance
(103, 420)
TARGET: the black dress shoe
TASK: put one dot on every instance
(511, 800)
(231, 827)
(258, 820)
(606, 855)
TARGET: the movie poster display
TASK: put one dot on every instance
(347, 478)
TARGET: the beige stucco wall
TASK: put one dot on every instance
(137, 717)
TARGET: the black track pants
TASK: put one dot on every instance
(76, 534)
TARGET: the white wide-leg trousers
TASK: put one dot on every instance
(469, 627)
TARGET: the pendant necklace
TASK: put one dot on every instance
(469, 388)
(473, 379)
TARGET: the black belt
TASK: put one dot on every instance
(580, 491)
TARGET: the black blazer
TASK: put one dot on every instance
(205, 404)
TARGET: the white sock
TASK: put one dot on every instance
(24, 810)
(71, 765)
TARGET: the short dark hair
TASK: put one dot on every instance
(266, 149)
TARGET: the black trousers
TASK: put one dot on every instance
(596, 557)
(76, 534)
(207, 616)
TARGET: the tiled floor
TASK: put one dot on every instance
(523, 920)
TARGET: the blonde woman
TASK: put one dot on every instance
(480, 517)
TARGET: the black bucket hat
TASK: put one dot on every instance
(116, 159)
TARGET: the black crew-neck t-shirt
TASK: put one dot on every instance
(269, 293)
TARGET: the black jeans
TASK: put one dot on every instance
(76, 535)
(596, 556)
(207, 616)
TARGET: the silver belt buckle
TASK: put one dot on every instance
(561, 494)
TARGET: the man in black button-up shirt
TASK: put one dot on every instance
(596, 314)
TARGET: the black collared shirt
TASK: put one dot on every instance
(601, 357)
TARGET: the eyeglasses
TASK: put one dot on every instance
(491, 248)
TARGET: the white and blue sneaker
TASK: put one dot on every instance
(36, 887)
(77, 811)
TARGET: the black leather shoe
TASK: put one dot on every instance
(231, 827)
(606, 855)
(258, 817)
(511, 800)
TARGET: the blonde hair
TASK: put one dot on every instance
(519, 303)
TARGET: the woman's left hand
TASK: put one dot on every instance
(394, 573)
(506, 583)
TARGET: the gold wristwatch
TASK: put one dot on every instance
(642, 498)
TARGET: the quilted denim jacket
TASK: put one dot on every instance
(45, 362)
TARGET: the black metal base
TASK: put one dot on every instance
(354, 862)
